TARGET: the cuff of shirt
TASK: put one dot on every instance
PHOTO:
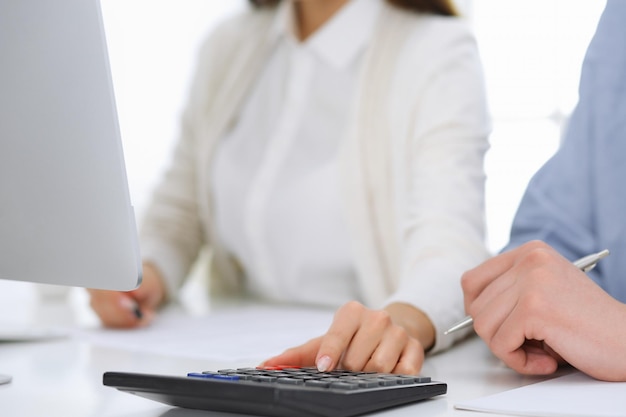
(172, 268)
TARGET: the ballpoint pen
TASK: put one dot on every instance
(586, 263)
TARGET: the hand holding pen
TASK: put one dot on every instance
(130, 309)
(533, 309)
(586, 263)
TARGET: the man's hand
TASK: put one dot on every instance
(533, 307)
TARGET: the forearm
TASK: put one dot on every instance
(594, 339)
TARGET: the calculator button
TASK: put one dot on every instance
(344, 385)
(331, 380)
(290, 381)
(217, 376)
(366, 383)
(319, 383)
(264, 378)
(385, 382)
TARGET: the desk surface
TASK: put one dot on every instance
(63, 377)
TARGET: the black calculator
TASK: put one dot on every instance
(280, 391)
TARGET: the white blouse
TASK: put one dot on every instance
(275, 178)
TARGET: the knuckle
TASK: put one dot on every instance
(494, 346)
(533, 245)
(467, 282)
(532, 304)
(380, 318)
(480, 327)
(408, 368)
(378, 364)
(537, 256)
(350, 363)
(351, 307)
(399, 335)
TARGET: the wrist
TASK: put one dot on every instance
(154, 284)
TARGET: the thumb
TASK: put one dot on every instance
(303, 355)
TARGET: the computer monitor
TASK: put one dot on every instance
(65, 211)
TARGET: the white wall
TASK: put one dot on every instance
(532, 52)
(152, 48)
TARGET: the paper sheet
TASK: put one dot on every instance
(236, 334)
(19, 332)
(572, 395)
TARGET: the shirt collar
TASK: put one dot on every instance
(342, 38)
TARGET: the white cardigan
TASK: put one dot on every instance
(412, 163)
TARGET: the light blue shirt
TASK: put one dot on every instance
(577, 201)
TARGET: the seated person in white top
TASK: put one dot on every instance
(330, 151)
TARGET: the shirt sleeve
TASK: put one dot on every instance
(443, 225)
(172, 231)
(575, 201)
(564, 200)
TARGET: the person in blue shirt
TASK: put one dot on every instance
(532, 307)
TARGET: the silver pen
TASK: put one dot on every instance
(586, 263)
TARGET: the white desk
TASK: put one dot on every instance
(64, 377)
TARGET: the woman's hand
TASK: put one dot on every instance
(361, 339)
(133, 308)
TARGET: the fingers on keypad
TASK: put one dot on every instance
(311, 377)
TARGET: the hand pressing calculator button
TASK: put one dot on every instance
(281, 391)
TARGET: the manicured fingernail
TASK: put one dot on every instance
(323, 363)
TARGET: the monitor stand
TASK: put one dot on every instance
(5, 379)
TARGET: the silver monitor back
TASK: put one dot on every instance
(65, 212)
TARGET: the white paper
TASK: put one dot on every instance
(236, 334)
(573, 395)
(21, 332)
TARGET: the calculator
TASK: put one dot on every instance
(280, 391)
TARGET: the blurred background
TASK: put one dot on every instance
(532, 52)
